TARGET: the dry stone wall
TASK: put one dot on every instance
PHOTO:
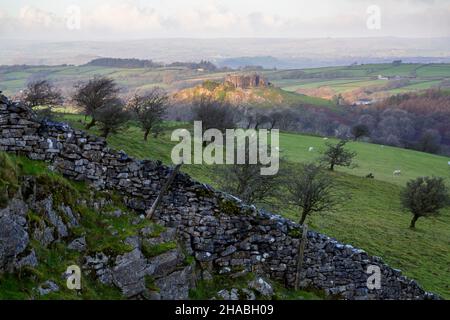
(222, 233)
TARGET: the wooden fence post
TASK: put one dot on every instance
(163, 191)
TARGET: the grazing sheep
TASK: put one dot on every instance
(397, 173)
(311, 149)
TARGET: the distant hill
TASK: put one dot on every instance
(202, 65)
(292, 53)
(123, 63)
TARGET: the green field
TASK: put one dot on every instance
(416, 87)
(341, 80)
(351, 80)
(379, 160)
(371, 216)
(290, 98)
(339, 86)
(12, 81)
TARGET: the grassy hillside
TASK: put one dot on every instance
(379, 160)
(372, 219)
(371, 216)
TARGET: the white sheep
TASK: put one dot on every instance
(311, 149)
(397, 173)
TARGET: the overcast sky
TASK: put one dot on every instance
(137, 19)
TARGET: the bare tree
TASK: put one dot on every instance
(257, 119)
(430, 141)
(275, 119)
(94, 95)
(214, 114)
(286, 119)
(359, 131)
(42, 93)
(337, 155)
(424, 197)
(246, 182)
(111, 117)
(149, 110)
(310, 190)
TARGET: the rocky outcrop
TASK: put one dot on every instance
(176, 286)
(224, 234)
(129, 273)
(47, 288)
(246, 81)
(50, 224)
(14, 238)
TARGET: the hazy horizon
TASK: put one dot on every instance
(268, 52)
(97, 20)
(292, 32)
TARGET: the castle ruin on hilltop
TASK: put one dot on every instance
(246, 81)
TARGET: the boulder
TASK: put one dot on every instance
(232, 294)
(176, 286)
(70, 216)
(14, 240)
(100, 265)
(47, 288)
(43, 234)
(28, 261)
(262, 287)
(53, 217)
(129, 273)
(78, 244)
(165, 263)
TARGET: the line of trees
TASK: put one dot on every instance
(98, 99)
